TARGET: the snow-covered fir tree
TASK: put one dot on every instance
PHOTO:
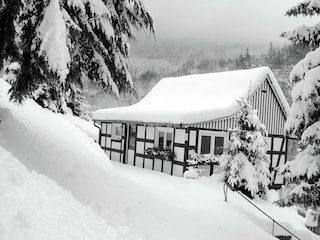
(66, 42)
(9, 9)
(303, 173)
(245, 161)
(305, 34)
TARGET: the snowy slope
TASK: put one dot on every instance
(134, 203)
(34, 207)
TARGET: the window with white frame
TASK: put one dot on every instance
(164, 138)
(211, 142)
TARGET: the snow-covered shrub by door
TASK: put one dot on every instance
(245, 161)
(192, 173)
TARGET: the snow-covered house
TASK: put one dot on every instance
(189, 113)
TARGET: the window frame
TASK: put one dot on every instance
(212, 134)
(116, 131)
(132, 136)
(165, 131)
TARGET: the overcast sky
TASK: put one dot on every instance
(224, 21)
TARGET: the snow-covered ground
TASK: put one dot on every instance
(96, 199)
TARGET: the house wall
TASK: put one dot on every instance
(185, 141)
(115, 149)
(145, 138)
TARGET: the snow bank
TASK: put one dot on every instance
(47, 142)
(194, 98)
(34, 207)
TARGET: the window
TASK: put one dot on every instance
(132, 136)
(116, 133)
(218, 145)
(164, 138)
(211, 142)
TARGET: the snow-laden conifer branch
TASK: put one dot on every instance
(63, 40)
(305, 8)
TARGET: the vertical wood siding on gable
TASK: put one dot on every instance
(220, 124)
(269, 110)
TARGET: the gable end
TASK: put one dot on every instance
(270, 109)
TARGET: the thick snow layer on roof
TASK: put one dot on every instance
(193, 98)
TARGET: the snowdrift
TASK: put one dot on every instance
(34, 207)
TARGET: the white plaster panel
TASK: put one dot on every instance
(108, 154)
(103, 128)
(177, 170)
(116, 145)
(109, 128)
(269, 143)
(103, 141)
(157, 164)
(130, 157)
(179, 152)
(277, 144)
(141, 131)
(115, 156)
(167, 165)
(150, 133)
(140, 147)
(108, 142)
(148, 163)
(180, 136)
(279, 179)
(139, 162)
(192, 138)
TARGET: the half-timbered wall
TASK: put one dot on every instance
(146, 138)
(276, 151)
(114, 148)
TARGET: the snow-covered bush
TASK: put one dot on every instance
(245, 161)
(202, 159)
(192, 173)
(165, 154)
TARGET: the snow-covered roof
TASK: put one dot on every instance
(194, 98)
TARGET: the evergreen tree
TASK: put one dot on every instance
(244, 60)
(303, 173)
(274, 57)
(9, 9)
(66, 42)
(245, 162)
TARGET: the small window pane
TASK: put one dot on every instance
(218, 145)
(161, 140)
(132, 137)
(169, 140)
(205, 144)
